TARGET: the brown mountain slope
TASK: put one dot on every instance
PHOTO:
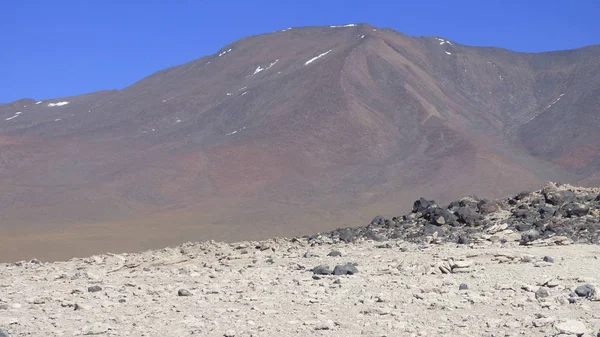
(291, 132)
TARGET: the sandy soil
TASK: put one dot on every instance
(268, 288)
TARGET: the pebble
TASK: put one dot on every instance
(94, 289)
(335, 253)
(463, 286)
(4, 333)
(585, 290)
(571, 327)
(548, 259)
(184, 292)
(229, 333)
(322, 270)
(542, 292)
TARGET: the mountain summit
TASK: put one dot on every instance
(292, 132)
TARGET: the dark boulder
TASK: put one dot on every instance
(486, 207)
(422, 204)
(381, 221)
(440, 216)
(322, 270)
(346, 269)
(585, 290)
(463, 240)
(558, 198)
(468, 216)
(529, 236)
(547, 211)
(574, 210)
(522, 195)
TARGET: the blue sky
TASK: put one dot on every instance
(55, 48)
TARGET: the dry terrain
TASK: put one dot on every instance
(269, 288)
(291, 132)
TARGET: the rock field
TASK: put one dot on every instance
(522, 266)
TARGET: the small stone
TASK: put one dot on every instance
(184, 292)
(308, 255)
(463, 240)
(571, 327)
(94, 289)
(35, 261)
(322, 270)
(463, 286)
(4, 333)
(338, 281)
(548, 259)
(347, 269)
(335, 253)
(327, 325)
(462, 264)
(584, 290)
(542, 292)
(3, 306)
(78, 306)
(229, 333)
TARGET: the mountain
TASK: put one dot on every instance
(292, 132)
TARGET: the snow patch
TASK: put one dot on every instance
(236, 131)
(56, 120)
(362, 36)
(258, 70)
(38, 102)
(240, 89)
(245, 92)
(229, 94)
(342, 26)
(272, 64)
(317, 57)
(285, 30)
(442, 42)
(225, 52)
(449, 53)
(59, 103)
(555, 101)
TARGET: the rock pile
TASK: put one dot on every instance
(557, 214)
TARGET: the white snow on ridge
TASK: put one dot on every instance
(258, 70)
(342, 26)
(555, 101)
(38, 102)
(442, 41)
(234, 132)
(58, 103)
(272, 64)
(449, 53)
(15, 116)
(225, 52)
(317, 57)
(285, 30)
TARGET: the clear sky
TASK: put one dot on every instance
(56, 48)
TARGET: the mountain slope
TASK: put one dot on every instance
(293, 132)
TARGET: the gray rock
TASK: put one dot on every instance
(529, 236)
(585, 290)
(322, 270)
(542, 292)
(463, 286)
(571, 327)
(422, 204)
(229, 333)
(487, 207)
(463, 240)
(548, 259)
(557, 198)
(346, 269)
(309, 255)
(4, 333)
(335, 253)
(94, 289)
(574, 210)
(35, 261)
(184, 292)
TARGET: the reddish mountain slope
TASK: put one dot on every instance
(290, 132)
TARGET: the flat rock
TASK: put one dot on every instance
(571, 327)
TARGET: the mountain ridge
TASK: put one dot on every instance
(298, 131)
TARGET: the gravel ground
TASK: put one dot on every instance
(272, 288)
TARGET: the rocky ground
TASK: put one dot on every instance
(395, 277)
